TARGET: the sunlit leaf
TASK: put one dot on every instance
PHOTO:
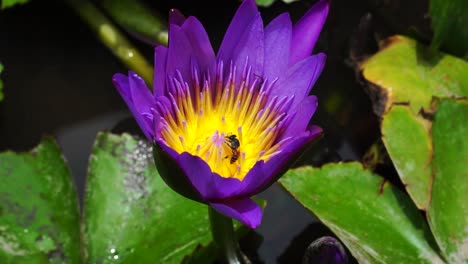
(404, 71)
(406, 137)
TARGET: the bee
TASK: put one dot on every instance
(234, 144)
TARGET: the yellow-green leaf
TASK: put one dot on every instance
(404, 71)
(409, 145)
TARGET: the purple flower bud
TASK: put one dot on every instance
(325, 250)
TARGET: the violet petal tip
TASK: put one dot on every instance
(246, 211)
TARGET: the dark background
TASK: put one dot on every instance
(57, 80)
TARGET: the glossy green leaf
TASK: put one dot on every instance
(267, 3)
(404, 71)
(409, 145)
(39, 218)
(377, 222)
(1, 83)
(264, 3)
(448, 211)
(10, 3)
(137, 18)
(130, 213)
(449, 20)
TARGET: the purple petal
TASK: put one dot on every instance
(250, 49)
(208, 184)
(242, 19)
(141, 95)
(166, 162)
(243, 210)
(277, 46)
(223, 188)
(263, 174)
(197, 171)
(160, 60)
(143, 100)
(201, 45)
(304, 112)
(138, 98)
(300, 79)
(176, 17)
(121, 82)
(156, 125)
(306, 31)
(164, 106)
(180, 53)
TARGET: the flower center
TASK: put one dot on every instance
(231, 125)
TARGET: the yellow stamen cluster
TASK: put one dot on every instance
(200, 124)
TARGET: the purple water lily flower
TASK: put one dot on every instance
(226, 126)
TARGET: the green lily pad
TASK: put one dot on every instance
(404, 71)
(449, 22)
(376, 221)
(448, 210)
(39, 218)
(10, 3)
(131, 216)
(409, 145)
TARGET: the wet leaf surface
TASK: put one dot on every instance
(131, 215)
(39, 218)
(376, 221)
(449, 22)
(448, 210)
(409, 145)
(406, 72)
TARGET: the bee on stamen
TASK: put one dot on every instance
(234, 144)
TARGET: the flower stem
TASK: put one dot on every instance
(138, 19)
(113, 38)
(223, 235)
